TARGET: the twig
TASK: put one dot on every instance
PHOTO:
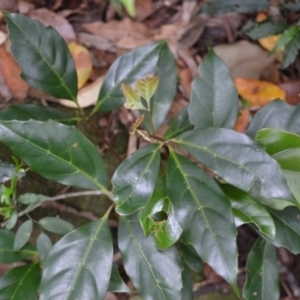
(59, 197)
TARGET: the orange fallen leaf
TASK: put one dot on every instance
(258, 92)
(242, 121)
(83, 62)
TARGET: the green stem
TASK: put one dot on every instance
(151, 123)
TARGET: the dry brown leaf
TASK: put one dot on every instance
(47, 17)
(143, 9)
(87, 96)
(115, 30)
(242, 121)
(244, 59)
(9, 5)
(25, 7)
(10, 72)
(292, 90)
(3, 37)
(185, 80)
(83, 62)
(98, 42)
(129, 43)
(258, 92)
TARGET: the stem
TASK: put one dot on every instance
(151, 123)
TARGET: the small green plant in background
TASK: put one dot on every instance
(173, 215)
(290, 35)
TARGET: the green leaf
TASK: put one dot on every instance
(187, 290)
(263, 29)
(262, 281)
(247, 210)
(79, 265)
(23, 234)
(26, 112)
(166, 231)
(179, 124)
(214, 99)
(239, 160)
(190, 257)
(56, 151)
(162, 100)
(12, 221)
(155, 273)
(129, 6)
(56, 225)
(29, 198)
(242, 6)
(43, 244)
(133, 100)
(147, 87)
(134, 180)
(127, 68)
(116, 283)
(7, 252)
(287, 36)
(43, 56)
(291, 51)
(277, 114)
(285, 149)
(287, 228)
(204, 213)
(8, 171)
(21, 283)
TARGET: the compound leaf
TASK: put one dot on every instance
(21, 283)
(56, 151)
(7, 252)
(127, 68)
(134, 180)
(43, 244)
(79, 265)
(214, 99)
(155, 273)
(242, 6)
(23, 234)
(277, 114)
(43, 56)
(247, 210)
(239, 160)
(56, 225)
(205, 215)
(262, 281)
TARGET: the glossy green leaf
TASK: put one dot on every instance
(21, 283)
(190, 257)
(127, 68)
(166, 231)
(277, 114)
(56, 151)
(156, 274)
(147, 87)
(204, 213)
(164, 95)
(7, 252)
(291, 51)
(79, 265)
(214, 98)
(133, 100)
(187, 290)
(239, 160)
(12, 221)
(247, 210)
(116, 283)
(262, 281)
(179, 124)
(43, 56)
(134, 180)
(287, 228)
(43, 244)
(26, 112)
(285, 149)
(242, 6)
(29, 198)
(263, 29)
(23, 234)
(56, 225)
